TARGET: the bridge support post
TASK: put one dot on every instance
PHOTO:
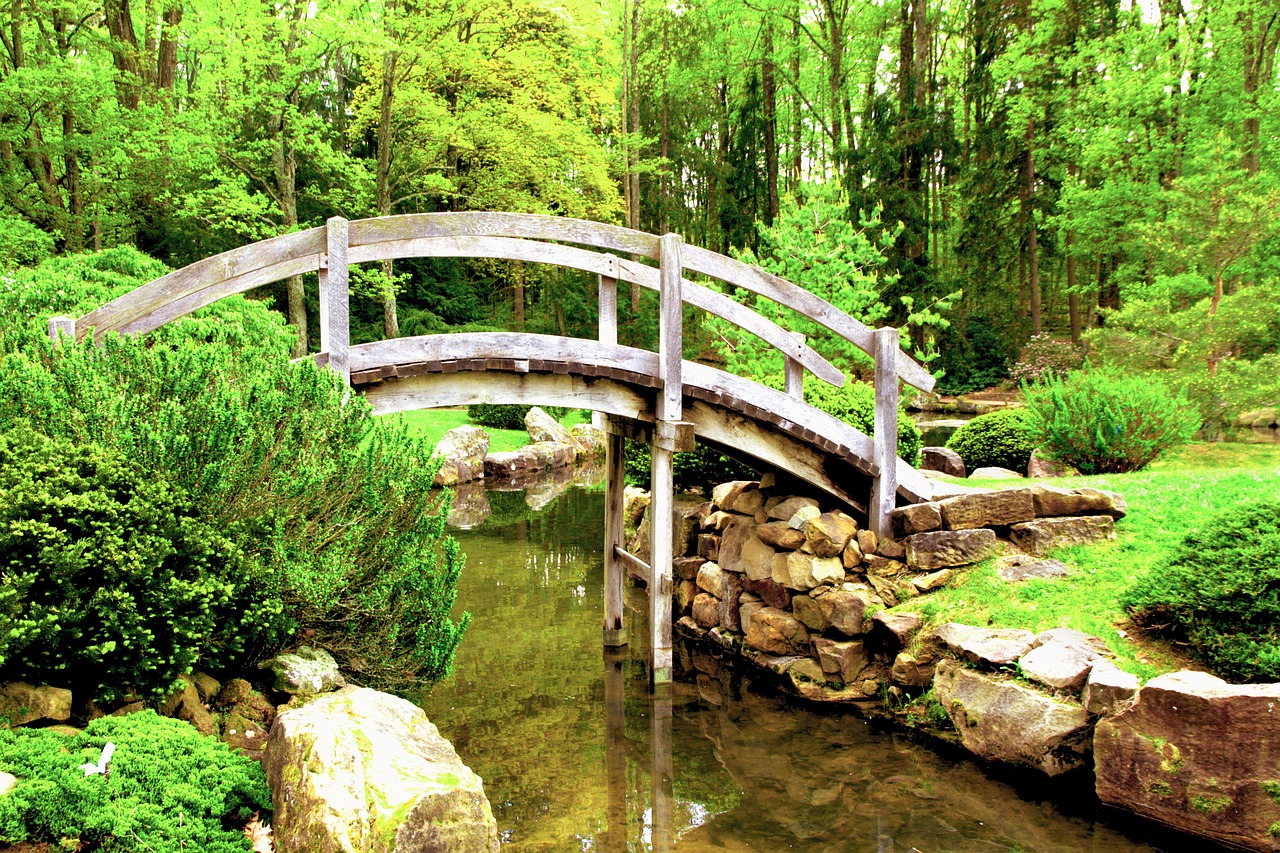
(884, 487)
(607, 319)
(62, 326)
(335, 300)
(615, 631)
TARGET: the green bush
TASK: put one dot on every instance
(1001, 439)
(1105, 423)
(507, 416)
(109, 579)
(1220, 592)
(1045, 356)
(169, 788)
(700, 469)
(855, 404)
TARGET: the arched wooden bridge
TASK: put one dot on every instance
(654, 395)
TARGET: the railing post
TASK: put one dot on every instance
(62, 326)
(662, 452)
(615, 632)
(607, 304)
(884, 487)
(793, 373)
(335, 300)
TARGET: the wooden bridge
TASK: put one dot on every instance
(656, 396)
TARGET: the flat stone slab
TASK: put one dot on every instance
(943, 549)
(988, 509)
(1058, 666)
(1043, 535)
(1021, 567)
(987, 646)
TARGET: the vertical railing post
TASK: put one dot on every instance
(662, 452)
(62, 326)
(793, 373)
(662, 773)
(335, 300)
(615, 632)
(615, 754)
(884, 487)
(607, 304)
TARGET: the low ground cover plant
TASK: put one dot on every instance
(168, 788)
(1000, 439)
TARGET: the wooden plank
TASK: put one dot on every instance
(670, 329)
(607, 303)
(634, 566)
(615, 631)
(335, 300)
(780, 290)
(884, 488)
(62, 326)
(236, 264)
(490, 224)
(661, 554)
(437, 390)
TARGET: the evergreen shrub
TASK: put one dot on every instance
(507, 415)
(855, 404)
(169, 788)
(700, 469)
(1045, 356)
(1001, 439)
(1107, 423)
(110, 579)
(1220, 593)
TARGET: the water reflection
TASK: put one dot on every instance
(577, 754)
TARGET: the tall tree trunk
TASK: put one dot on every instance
(633, 167)
(797, 123)
(769, 90)
(517, 299)
(1073, 298)
(1260, 31)
(167, 59)
(73, 229)
(124, 51)
(1029, 210)
(390, 317)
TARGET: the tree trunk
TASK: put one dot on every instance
(769, 90)
(633, 166)
(124, 51)
(797, 161)
(517, 299)
(390, 317)
(167, 68)
(1034, 282)
(1073, 298)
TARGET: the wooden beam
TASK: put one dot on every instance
(670, 329)
(489, 224)
(62, 326)
(661, 543)
(335, 300)
(636, 566)
(615, 480)
(884, 488)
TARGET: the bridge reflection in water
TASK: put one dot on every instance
(577, 752)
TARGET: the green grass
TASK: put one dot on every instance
(432, 424)
(1166, 501)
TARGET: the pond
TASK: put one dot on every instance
(576, 754)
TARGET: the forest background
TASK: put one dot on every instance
(979, 171)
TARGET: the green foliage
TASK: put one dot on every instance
(855, 404)
(507, 415)
(1101, 422)
(169, 788)
(111, 580)
(700, 469)
(1045, 356)
(1220, 592)
(972, 355)
(1001, 438)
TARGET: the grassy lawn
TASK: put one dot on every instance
(1166, 501)
(432, 424)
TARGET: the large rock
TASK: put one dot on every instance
(756, 558)
(306, 671)
(543, 427)
(986, 646)
(943, 549)
(738, 531)
(826, 535)
(1042, 466)
(590, 439)
(359, 770)
(1051, 501)
(893, 631)
(796, 570)
(1058, 666)
(1198, 754)
(779, 534)
(1021, 567)
(994, 472)
(461, 452)
(769, 591)
(1001, 720)
(728, 496)
(1043, 535)
(22, 703)
(687, 515)
(783, 510)
(706, 610)
(844, 607)
(1107, 688)
(804, 608)
(987, 509)
(942, 459)
(777, 632)
(712, 579)
(917, 518)
(844, 658)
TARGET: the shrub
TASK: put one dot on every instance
(1220, 592)
(973, 356)
(169, 788)
(507, 416)
(1001, 438)
(110, 579)
(855, 404)
(1104, 423)
(702, 468)
(1044, 357)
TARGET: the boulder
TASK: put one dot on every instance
(893, 631)
(1043, 535)
(804, 608)
(307, 671)
(891, 548)
(868, 541)
(844, 607)
(233, 693)
(917, 518)
(748, 606)
(730, 618)
(706, 610)
(783, 510)
(687, 515)
(712, 579)
(358, 770)
(245, 736)
(780, 535)
(1021, 567)
(987, 509)
(22, 703)
(207, 686)
(949, 548)
(543, 427)
(911, 671)
(829, 533)
(756, 560)
(634, 503)
(461, 451)
(725, 496)
(738, 531)
(687, 568)
(708, 546)
(1042, 466)
(803, 516)
(777, 632)
(933, 580)
(796, 570)
(1000, 720)
(769, 591)
(994, 473)
(1199, 754)
(1107, 688)
(844, 658)
(7, 782)
(1052, 501)
(943, 460)
(1096, 647)
(1058, 666)
(986, 646)
(852, 556)
(590, 439)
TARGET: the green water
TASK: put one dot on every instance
(577, 755)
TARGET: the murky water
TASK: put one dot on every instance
(576, 754)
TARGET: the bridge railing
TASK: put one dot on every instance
(329, 250)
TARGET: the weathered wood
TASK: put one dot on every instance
(884, 488)
(615, 632)
(793, 375)
(488, 224)
(607, 302)
(793, 296)
(62, 326)
(661, 541)
(335, 300)
(634, 566)
(179, 284)
(662, 772)
(614, 839)
(670, 329)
